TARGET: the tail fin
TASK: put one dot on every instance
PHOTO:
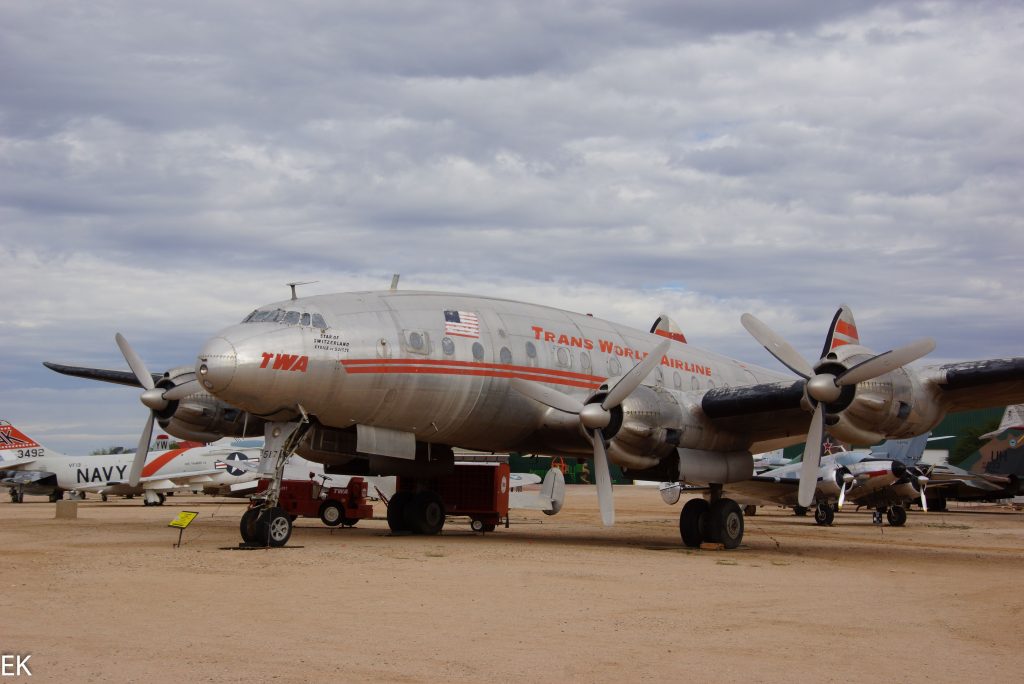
(1013, 418)
(15, 444)
(666, 327)
(843, 331)
(906, 451)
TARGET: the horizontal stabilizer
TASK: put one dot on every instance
(549, 499)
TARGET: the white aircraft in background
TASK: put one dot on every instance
(27, 467)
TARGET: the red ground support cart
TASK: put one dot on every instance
(476, 490)
(333, 505)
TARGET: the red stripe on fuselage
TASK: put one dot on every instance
(439, 367)
(156, 464)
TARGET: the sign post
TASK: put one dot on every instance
(183, 520)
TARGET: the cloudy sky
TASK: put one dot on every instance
(167, 167)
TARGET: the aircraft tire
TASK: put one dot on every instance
(279, 524)
(331, 514)
(725, 523)
(425, 514)
(750, 509)
(396, 511)
(160, 499)
(57, 495)
(823, 514)
(247, 526)
(692, 522)
(350, 522)
(800, 511)
(17, 497)
(897, 516)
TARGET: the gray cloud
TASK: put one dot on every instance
(165, 168)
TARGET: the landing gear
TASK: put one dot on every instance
(56, 495)
(419, 513)
(800, 510)
(823, 514)
(17, 496)
(897, 516)
(265, 523)
(718, 522)
(750, 509)
(265, 527)
(150, 498)
(691, 522)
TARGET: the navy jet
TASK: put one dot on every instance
(389, 382)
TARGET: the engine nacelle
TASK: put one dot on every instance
(645, 431)
(201, 417)
(831, 483)
(891, 406)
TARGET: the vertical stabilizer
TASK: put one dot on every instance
(666, 327)
(843, 331)
(1013, 418)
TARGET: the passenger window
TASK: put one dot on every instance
(505, 355)
(448, 346)
(478, 351)
(531, 351)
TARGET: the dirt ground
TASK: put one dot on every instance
(107, 597)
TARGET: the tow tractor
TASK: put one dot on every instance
(306, 499)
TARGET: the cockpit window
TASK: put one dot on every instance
(287, 318)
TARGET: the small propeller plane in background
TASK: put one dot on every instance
(27, 467)
(389, 382)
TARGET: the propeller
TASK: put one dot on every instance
(823, 388)
(848, 479)
(154, 398)
(596, 416)
(921, 485)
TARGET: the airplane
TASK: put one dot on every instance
(27, 467)
(388, 382)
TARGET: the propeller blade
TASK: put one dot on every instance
(631, 380)
(842, 495)
(134, 362)
(883, 363)
(183, 390)
(776, 346)
(604, 481)
(812, 458)
(547, 396)
(923, 481)
(140, 454)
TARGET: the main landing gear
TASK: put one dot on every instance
(266, 523)
(824, 514)
(419, 512)
(719, 521)
(896, 515)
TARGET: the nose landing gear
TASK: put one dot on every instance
(265, 523)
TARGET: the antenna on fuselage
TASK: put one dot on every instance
(293, 286)
(394, 281)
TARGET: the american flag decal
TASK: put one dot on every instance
(461, 324)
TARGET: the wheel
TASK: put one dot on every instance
(103, 497)
(897, 516)
(750, 509)
(425, 514)
(396, 511)
(725, 523)
(280, 526)
(349, 522)
(331, 514)
(57, 495)
(800, 510)
(247, 526)
(17, 497)
(823, 514)
(691, 522)
(476, 525)
(160, 499)
(938, 504)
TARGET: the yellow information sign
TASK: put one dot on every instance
(184, 519)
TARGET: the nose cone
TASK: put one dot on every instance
(216, 365)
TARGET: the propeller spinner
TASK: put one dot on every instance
(824, 387)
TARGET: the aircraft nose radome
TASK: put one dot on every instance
(216, 365)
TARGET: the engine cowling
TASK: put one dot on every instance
(201, 417)
(643, 429)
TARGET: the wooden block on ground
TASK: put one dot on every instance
(67, 510)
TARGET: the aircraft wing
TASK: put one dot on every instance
(977, 384)
(770, 412)
(24, 477)
(766, 489)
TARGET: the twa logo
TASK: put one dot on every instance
(288, 362)
(12, 438)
